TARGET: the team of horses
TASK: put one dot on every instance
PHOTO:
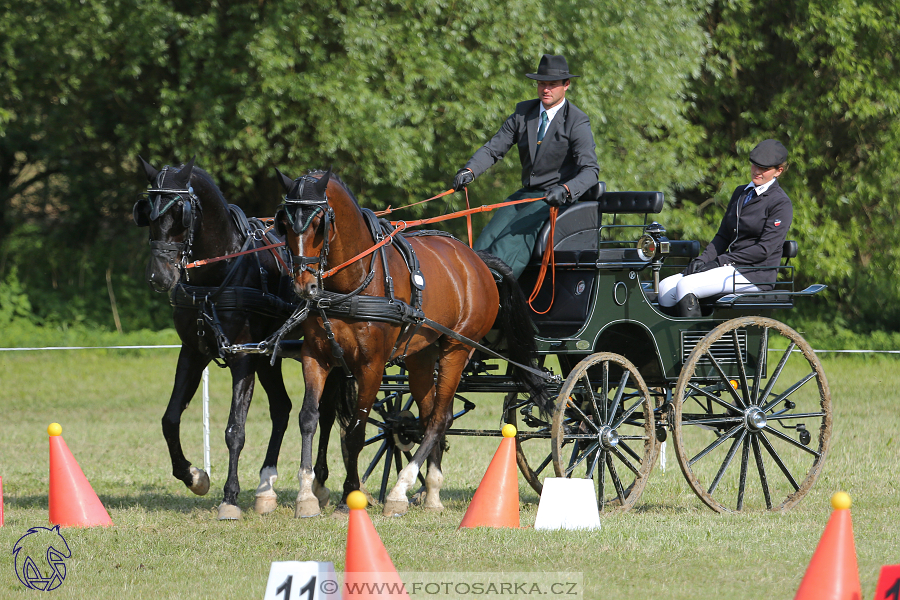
(448, 296)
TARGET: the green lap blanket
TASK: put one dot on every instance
(512, 232)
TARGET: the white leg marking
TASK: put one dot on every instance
(266, 498)
(396, 504)
(433, 483)
(307, 503)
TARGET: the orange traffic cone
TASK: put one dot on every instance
(833, 573)
(496, 501)
(368, 572)
(73, 502)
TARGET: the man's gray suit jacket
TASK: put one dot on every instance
(566, 155)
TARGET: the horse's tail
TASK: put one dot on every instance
(341, 392)
(517, 332)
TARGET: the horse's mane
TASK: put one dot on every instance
(336, 178)
(210, 182)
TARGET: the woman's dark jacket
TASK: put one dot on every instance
(753, 235)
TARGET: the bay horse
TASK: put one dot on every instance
(234, 301)
(434, 276)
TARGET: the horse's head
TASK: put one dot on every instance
(169, 208)
(304, 220)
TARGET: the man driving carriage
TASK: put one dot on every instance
(559, 162)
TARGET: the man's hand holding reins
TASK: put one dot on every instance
(463, 178)
(557, 196)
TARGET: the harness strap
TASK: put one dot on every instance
(549, 377)
(336, 350)
(233, 298)
(377, 308)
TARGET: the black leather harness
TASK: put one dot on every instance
(209, 301)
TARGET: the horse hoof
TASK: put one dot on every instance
(323, 496)
(395, 508)
(199, 481)
(307, 508)
(341, 512)
(418, 499)
(229, 512)
(265, 504)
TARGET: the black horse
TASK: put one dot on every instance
(216, 307)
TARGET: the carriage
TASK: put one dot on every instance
(741, 397)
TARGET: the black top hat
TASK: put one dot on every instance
(552, 68)
(768, 153)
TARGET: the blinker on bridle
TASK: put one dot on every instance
(147, 210)
(306, 198)
(143, 217)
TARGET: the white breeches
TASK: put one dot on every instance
(721, 280)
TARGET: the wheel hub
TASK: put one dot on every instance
(404, 428)
(608, 438)
(754, 418)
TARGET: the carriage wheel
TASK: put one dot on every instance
(746, 438)
(397, 431)
(603, 429)
(533, 431)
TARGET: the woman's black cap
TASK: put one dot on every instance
(768, 153)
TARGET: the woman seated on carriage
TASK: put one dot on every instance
(750, 239)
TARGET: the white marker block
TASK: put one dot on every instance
(568, 504)
(295, 580)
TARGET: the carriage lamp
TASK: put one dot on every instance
(646, 248)
(653, 243)
(652, 246)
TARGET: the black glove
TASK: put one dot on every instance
(695, 266)
(698, 266)
(557, 196)
(463, 178)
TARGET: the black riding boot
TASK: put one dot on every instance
(689, 306)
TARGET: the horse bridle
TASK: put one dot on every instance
(168, 251)
(299, 262)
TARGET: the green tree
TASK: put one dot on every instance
(394, 95)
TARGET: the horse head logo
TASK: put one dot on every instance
(40, 558)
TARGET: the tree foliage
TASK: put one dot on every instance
(396, 95)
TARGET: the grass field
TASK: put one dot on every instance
(166, 542)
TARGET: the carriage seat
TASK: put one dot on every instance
(575, 239)
(576, 255)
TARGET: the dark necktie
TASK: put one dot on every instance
(544, 120)
(749, 195)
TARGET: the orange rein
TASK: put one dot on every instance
(549, 256)
(403, 225)
(206, 261)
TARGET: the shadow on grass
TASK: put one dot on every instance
(147, 498)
